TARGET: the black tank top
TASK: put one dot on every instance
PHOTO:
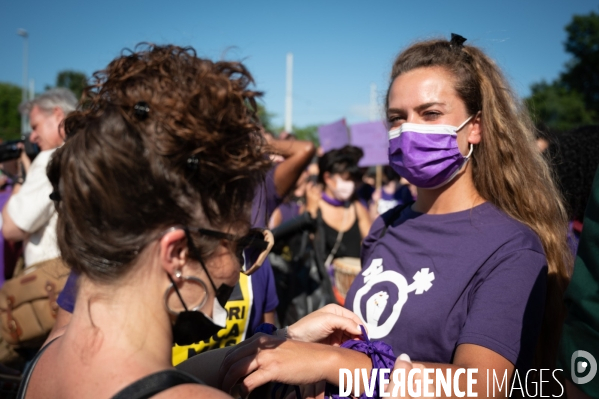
(143, 388)
(351, 241)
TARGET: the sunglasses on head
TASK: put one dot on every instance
(256, 240)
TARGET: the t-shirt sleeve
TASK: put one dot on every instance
(66, 299)
(31, 208)
(506, 307)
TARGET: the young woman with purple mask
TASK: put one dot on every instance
(472, 274)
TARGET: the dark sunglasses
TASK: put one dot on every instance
(258, 240)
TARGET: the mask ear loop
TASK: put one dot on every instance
(196, 253)
(464, 123)
(467, 157)
(177, 292)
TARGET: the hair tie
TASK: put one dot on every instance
(55, 196)
(457, 41)
(141, 110)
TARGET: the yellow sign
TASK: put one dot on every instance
(238, 316)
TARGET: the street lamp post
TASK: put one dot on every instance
(23, 33)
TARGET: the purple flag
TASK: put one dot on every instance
(373, 139)
(333, 135)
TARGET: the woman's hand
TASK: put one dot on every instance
(331, 325)
(264, 358)
(404, 362)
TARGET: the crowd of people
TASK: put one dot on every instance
(208, 258)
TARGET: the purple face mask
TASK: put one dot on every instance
(428, 156)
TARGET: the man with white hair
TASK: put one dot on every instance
(29, 214)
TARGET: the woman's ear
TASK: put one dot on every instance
(173, 251)
(474, 136)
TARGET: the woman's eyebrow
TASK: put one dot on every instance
(418, 108)
(424, 106)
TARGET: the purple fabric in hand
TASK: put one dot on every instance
(381, 355)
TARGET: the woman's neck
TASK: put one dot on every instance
(458, 195)
(128, 320)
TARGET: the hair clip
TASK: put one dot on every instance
(55, 196)
(192, 163)
(457, 41)
(141, 109)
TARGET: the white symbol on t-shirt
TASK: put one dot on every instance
(376, 304)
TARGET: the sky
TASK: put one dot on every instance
(340, 48)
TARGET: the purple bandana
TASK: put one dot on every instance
(332, 201)
(381, 355)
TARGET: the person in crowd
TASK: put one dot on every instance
(295, 203)
(472, 274)
(390, 194)
(579, 345)
(29, 214)
(344, 221)
(573, 155)
(254, 298)
(153, 190)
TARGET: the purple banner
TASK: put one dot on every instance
(373, 139)
(333, 135)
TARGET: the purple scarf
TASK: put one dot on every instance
(381, 355)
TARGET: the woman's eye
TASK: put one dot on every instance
(431, 115)
(395, 121)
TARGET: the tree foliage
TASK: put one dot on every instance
(309, 133)
(557, 107)
(10, 119)
(72, 80)
(572, 100)
(582, 73)
(265, 118)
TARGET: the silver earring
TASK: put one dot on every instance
(178, 273)
(172, 288)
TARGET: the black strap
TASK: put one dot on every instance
(392, 215)
(156, 383)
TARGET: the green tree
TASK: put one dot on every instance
(72, 80)
(573, 99)
(10, 119)
(266, 118)
(309, 133)
(582, 73)
(557, 107)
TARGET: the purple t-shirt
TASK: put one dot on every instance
(433, 282)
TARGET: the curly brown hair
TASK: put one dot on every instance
(162, 138)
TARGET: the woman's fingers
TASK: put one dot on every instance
(402, 362)
(233, 364)
(237, 371)
(322, 324)
(341, 311)
(339, 323)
